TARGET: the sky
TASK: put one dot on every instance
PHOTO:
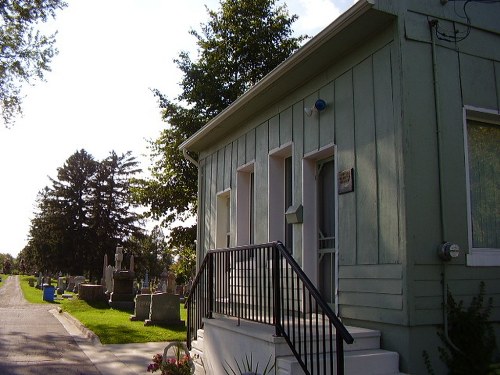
(98, 96)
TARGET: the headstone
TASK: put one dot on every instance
(142, 307)
(61, 283)
(145, 285)
(78, 280)
(109, 279)
(163, 281)
(123, 290)
(71, 284)
(91, 292)
(39, 282)
(165, 309)
(118, 258)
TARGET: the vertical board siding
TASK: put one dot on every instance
(286, 126)
(234, 168)
(455, 215)
(227, 166)
(421, 174)
(208, 203)
(213, 200)
(311, 126)
(478, 81)
(387, 170)
(274, 132)
(497, 83)
(297, 117)
(344, 133)
(220, 170)
(202, 225)
(327, 117)
(250, 146)
(261, 184)
(242, 151)
(366, 158)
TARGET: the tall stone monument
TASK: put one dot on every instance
(123, 283)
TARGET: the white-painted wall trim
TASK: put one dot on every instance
(477, 257)
(243, 176)
(276, 191)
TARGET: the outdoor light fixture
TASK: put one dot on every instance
(319, 105)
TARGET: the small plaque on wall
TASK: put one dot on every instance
(346, 181)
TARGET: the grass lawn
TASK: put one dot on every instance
(112, 326)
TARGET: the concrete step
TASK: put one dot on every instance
(361, 362)
(363, 357)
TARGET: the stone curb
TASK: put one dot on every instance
(85, 331)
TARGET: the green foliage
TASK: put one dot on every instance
(84, 214)
(238, 46)
(470, 332)
(25, 53)
(31, 294)
(110, 325)
(247, 367)
(7, 264)
(179, 364)
(151, 254)
(115, 327)
(494, 369)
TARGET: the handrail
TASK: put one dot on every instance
(264, 283)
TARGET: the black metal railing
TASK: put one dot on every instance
(263, 283)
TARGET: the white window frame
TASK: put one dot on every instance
(243, 204)
(223, 212)
(276, 191)
(478, 257)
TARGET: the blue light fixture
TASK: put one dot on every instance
(319, 106)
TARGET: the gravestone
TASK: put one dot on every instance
(71, 284)
(91, 292)
(142, 307)
(123, 290)
(78, 280)
(165, 309)
(61, 283)
(39, 281)
(109, 279)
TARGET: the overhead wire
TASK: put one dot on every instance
(456, 35)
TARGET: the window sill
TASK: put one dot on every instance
(483, 258)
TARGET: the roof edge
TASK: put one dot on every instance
(339, 24)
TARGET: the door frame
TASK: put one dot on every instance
(310, 224)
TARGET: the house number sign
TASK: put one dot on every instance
(346, 181)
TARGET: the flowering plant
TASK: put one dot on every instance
(177, 365)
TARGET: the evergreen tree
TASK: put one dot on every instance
(86, 213)
(238, 46)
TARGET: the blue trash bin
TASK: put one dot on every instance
(48, 293)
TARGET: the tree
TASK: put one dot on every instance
(151, 254)
(239, 45)
(25, 53)
(85, 214)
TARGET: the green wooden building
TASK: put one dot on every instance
(364, 152)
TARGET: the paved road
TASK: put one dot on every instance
(33, 341)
